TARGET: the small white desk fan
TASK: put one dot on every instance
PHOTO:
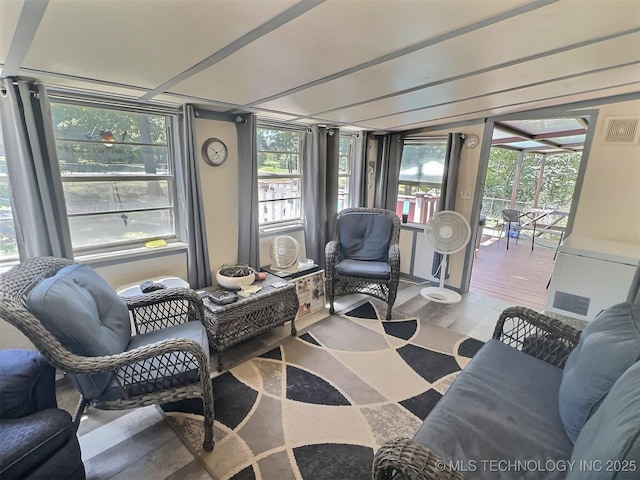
(284, 253)
(447, 232)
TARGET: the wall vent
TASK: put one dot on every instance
(571, 303)
(621, 131)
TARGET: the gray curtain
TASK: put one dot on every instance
(449, 184)
(450, 175)
(37, 197)
(320, 166)
(359, 170)
(198, 267)
(248, 224)
(388, 170)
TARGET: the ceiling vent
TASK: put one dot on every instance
(621, 131)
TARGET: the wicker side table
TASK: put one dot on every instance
(230, 324)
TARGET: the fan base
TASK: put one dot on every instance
(440, 295)
(292, 269)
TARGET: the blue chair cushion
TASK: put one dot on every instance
(365, 236)
(609, 443)
(359, 268)
(608, 346)
(156, 374)
(86, 315)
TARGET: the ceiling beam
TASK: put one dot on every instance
(294, 12)
(28, 22)
(562, 133)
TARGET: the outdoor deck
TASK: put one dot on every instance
(518, 275)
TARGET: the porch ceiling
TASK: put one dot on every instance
(550, 136)
(376, 64)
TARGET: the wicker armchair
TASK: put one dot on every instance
(534, 333)
(159, 365)
(364, 255)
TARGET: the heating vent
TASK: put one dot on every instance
(621, 131)
(571, 303)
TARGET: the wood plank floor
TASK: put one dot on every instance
(517, 275)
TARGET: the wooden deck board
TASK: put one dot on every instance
(517, 275)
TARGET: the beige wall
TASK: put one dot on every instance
(609, 205)
(220, 193)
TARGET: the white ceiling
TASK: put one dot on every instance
(364, 64)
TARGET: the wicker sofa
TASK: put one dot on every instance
(539, 400)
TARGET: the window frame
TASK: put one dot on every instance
(292, 222)
(428, 185)
(172, 177)
(7, 260)
(349, 175)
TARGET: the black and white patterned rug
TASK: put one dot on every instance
(319, 405)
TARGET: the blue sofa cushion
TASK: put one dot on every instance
(608, 446)
(365, 236)
(86, 315)
(32, 440)
(608, 346)
(495, 413)
(27, 383)
(359, 268)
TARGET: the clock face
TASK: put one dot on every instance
(214, 152)
(471, 141)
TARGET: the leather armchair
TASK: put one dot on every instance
(37, 439)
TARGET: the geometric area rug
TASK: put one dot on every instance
(319, 405)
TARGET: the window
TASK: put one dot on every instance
(117, 174)
(279, 175)
(344, 172)
(8, 244)
(420, 180)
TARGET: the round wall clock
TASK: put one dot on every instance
(214, 151)
(471, 141)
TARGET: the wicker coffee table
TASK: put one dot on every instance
(230, 324)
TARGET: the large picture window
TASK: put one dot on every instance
(279, 176)
(8, 244)
(420, 181)
(118, 176)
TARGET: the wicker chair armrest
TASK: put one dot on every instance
(164, 308)
(537, 334)
(402, 458)
(394, 255)
(331, 254)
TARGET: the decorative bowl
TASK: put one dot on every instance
(234, 277)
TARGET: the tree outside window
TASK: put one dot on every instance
(279, 153)
(117, 174)
(420, 180)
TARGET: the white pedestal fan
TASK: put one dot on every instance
(447, 232)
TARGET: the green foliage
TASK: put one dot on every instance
(99, 140)
(278, 151)
(558, 181)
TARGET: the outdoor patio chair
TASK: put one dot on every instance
(79, 324)
(511, 222)
(364, 255)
